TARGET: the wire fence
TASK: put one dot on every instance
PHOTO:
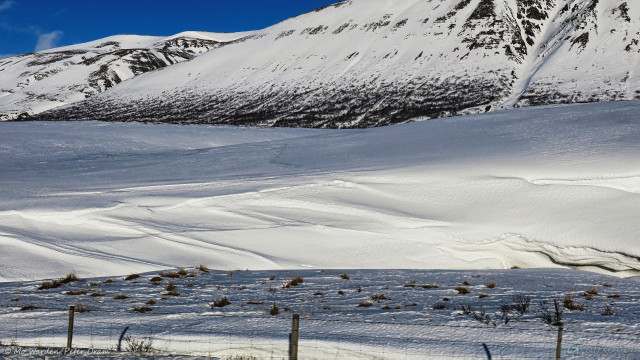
(261, 336)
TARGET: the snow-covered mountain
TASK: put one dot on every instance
(36, 82)
(361, 63)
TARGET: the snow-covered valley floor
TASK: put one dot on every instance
(350, 314)
(535, 187)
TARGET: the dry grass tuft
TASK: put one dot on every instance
(150, 302)
(81, 309)
(429, 286)
(293, 282)
(142, 309)
(132, 277)
(345, 276)
(462, 290)
(29, 308)
(491, 285)
(365, 304)
(274, 309)
(379, 297)
(120, 297)
(220, 303)
(76, 292)
(202, 268)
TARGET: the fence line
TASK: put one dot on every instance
(89, 330)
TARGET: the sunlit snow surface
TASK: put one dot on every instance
(535, 187)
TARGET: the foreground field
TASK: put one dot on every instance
(354, 314)
(536, 187)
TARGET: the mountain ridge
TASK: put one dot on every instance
(369, 63)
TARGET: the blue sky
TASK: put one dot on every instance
(30, 25)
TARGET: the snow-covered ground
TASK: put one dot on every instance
(535, 187)
(400, 323)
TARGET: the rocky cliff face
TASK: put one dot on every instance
(362, 63)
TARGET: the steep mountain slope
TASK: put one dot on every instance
(36, 82)
(362, 63)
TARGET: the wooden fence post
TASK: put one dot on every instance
(559, 343)
(70, 331)
(293, 346)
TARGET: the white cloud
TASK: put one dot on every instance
(48, 40)
(6, 5)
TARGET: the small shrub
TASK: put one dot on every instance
(345, 276)
(189, 284)
(466, 283)
(462, 290)
(170, 286)
(552, 316)
(272, 277)
(445, 299)
(230, 274)
(293, 282)
(29, 308)
(273, 289)
(221, 303)
(439, 305)
(156, 279)
(386, 307)
(202, 268)
(150, 302)
(120, 297)
(138, 346)
(365, 304)
(359, 289)
(522, 303)
(274, 310)
(607, 310)
(607, 284)
(340, 292)
(173, 293)
(109, 281)
(97, 293)
(515, 267)
(612, 296)
(491, 285)
(318, 293)
(505, 310)
(132, 277)
(95, 283)
(142, 309)
(482, 295)
(466, 309)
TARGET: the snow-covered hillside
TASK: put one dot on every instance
(532, 187)
(36, 82)
(362, 63)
